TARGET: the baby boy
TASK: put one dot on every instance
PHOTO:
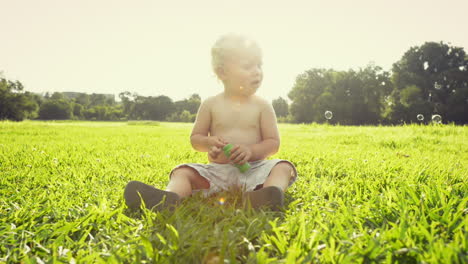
(236, 116)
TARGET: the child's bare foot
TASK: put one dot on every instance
(153, 198)
(271, 197)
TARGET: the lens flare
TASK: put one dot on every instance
(221, 201)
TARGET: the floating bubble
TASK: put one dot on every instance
(420, 117)
(437, 86)
(426, 65)
(328, 115)
(437, 119)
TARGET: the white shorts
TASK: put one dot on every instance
(223, 177)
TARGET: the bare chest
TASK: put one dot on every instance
(236, 116)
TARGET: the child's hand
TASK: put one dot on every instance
(214, 152)
(215, 141)
(216, 145)
(240, 154)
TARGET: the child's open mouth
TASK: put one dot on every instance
(255, 83)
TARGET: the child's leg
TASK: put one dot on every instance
(184, 180)
(280, 176)
(153, 198)
(272, 193)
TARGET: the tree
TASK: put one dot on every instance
(303, 95)
(128, 101)
(57, 96)
(153, 108)
(15, 104)
(281, 107)
(191, 104)
(77, 110)
(353, 97)
(440, 73)
(55, 110)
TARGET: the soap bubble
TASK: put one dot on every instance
(328, 115)
(420, 117)
(426, 65)
(437, 119)
(437, 86)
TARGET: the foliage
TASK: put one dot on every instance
(191, 104)
(352, 97)
(364, 195)
(15, 104)
(184, 116)
(281, 107)
(436, 75)
(55, 109)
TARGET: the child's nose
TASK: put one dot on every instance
(257, 70)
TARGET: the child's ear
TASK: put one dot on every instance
(221, 73)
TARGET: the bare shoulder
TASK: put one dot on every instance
(210, 100)
(263, 103)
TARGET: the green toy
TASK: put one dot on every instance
(242, 167)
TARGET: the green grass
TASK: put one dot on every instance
(364, 194)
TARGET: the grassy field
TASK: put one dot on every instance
(364, 194)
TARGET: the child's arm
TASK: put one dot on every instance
(270, 135)
(199, 137)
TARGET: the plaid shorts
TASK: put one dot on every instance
(223, 177)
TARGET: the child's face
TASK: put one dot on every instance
(242, 73)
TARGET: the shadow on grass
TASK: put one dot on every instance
(205, 229)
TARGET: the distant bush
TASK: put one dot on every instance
(58, 109)
(184, 116)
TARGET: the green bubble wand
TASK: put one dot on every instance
(242, 167)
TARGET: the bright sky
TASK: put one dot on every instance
(155, 47)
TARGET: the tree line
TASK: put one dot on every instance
(16, 105)
(429, 79)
